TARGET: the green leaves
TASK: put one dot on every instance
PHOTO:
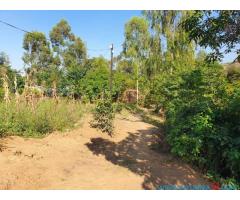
(61, 34)
(215, 29)
(37, 50)
(202, 117)
(104, 115)
(136, 37)
(96, 80)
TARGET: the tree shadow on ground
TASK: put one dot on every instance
(136, 154)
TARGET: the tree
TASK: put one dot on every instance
(96, 81)
(75, 54)
(70, 57)
(37, 50)
(37, 55)
(136, 44)
(124, 66)
(169, 45)
(61, 35)
(219, 30)
(155, 60)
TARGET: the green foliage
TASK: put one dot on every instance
(121, 82)
(168, 47)
(215, 29)
(233, 71)
(58, 64)
(1, 94)
(37, 50)
(202, 117)
(96, 80)
(104, 115)
(201, 104)
(60, 35)
(118, 107)
(46, 116)
(136, 37)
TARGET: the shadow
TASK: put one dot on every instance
(149, 117)
(151, 120)
(3, 146)
(136, 154)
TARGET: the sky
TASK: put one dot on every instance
(98, 29)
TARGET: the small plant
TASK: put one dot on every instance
(104, 115)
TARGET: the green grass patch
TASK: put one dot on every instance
(45, 117)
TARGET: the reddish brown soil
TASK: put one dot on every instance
(88, 159)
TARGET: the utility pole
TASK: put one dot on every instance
(137, 83)
(111, 69)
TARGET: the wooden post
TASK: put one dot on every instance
(111, 70)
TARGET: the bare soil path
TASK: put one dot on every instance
(88, 159)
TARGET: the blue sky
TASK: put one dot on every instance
(98, 29)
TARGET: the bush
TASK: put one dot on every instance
(104, 115)
(202, 118)
(46, 116)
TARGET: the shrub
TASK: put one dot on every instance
(104, 115)
(46, 116)
(202, 118)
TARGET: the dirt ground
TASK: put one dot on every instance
(85, 158)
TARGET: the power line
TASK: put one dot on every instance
(15, 27)
(25, 31)
(98, 49)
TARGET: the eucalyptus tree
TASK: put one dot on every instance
(70, 56)
(155, 60)
(75, 54)
(183, 50)
(169, 46)
(37, 50)
(136, 45)
(37, 55)
(61, 37)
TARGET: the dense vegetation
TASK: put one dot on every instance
(159, 60)
(45, 117)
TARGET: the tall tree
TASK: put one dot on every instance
(75, 54)
(61, 37)
(37, 50)
(70, 56)
(155, 60)
(136, 44)
(169, 46)
(37, 55)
